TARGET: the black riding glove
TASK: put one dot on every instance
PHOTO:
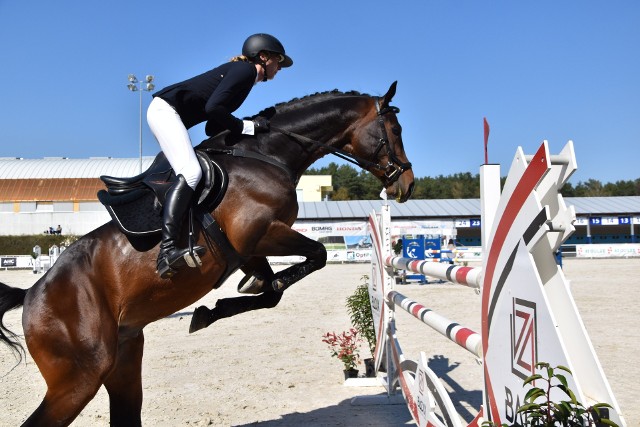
(260, 124)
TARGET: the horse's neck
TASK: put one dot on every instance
(331, 129)
(325, 123)
(313, 145)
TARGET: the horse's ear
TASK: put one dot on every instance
(386, 99)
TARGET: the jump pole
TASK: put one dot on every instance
(464, 337)
(467, 276)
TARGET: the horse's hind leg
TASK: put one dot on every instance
(73, 371)
(124, 383)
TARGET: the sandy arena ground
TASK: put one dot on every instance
(270, 368)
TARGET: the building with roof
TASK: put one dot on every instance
(36, 194)
(314, 188)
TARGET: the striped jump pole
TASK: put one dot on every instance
(464, 337)
(468, 276)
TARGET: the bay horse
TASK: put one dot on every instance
(83, 320)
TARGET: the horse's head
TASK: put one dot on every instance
(378, 139)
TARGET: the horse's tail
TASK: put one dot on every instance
(10, 298)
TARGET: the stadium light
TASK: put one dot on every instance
(136, 85)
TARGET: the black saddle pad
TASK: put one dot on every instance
(137, 213)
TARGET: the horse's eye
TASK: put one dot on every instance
(396, 130)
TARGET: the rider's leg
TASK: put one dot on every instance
(174, 140)
(177, 203)
(167, 127)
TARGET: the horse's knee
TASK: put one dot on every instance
(317, 258)
(321, 259)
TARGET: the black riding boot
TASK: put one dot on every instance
(170, 258)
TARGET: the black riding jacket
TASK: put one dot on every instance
(212, 96)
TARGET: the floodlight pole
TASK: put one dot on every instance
(147, 86)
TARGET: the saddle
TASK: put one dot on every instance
(135, 203)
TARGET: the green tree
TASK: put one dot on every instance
(350, 183)
(568, 190)
(591, 188)
(370, 185)
(340, 194)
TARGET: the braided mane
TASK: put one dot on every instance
(308, 99)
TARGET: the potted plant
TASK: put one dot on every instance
(539, 410)
(359, 309)
(345, 346)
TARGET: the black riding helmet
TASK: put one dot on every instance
(259, 42)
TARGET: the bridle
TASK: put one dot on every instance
(394, 167)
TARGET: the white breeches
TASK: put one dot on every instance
(172, 135)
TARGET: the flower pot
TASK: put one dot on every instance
(350, 373)
(370, 368)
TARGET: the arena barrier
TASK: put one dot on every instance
(527, 312)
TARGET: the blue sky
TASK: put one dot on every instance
(554, 70)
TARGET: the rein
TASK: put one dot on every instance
(238, 152)
(338, 152)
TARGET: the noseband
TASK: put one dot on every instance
(394, 167)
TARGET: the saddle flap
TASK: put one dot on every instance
(136, 213)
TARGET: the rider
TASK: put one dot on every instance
(212, 97)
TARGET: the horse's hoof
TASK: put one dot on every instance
(254, 287)
(200, 319)
(278, 285)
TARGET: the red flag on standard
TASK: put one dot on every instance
(486, 141)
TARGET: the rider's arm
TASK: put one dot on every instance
(228, 95)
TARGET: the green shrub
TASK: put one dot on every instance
(359, 309)
(540, 411)
(23, 245)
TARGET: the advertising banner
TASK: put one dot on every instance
(621, 250)
(8, 262)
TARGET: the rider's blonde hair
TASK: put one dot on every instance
(240, 58)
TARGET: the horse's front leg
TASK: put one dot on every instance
(228, 307)
(258, 273)
(280, 241)
(283, 241)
